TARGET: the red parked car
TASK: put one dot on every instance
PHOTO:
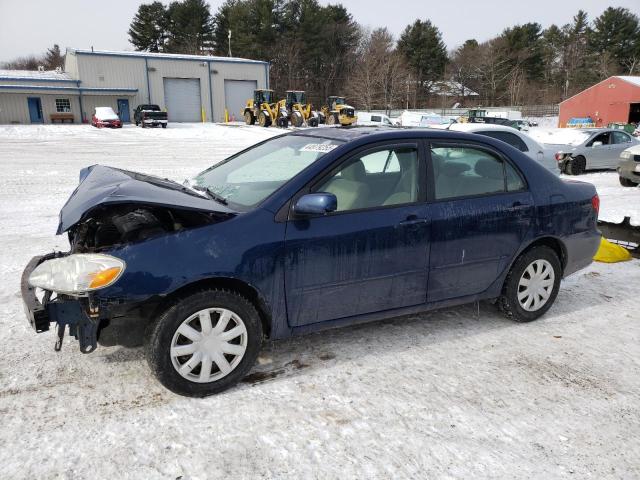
(105, 117)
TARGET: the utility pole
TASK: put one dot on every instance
(229, 37)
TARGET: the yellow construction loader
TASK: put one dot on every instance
(263, 109)
(299, 111)
(336, 111)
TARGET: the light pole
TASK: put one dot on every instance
(229, 37)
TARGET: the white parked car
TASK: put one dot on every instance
(422, 119)
(520, 140)
(369, 118)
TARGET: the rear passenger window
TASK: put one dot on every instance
(619, 137)
(466, 171)
(506, 137)
(515, 182)
(376, 118)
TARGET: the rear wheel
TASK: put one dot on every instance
(249, 119)
(204, 343)
(532, 285)
(625, 182)
(576, 166)
(332, 119)
(283, 122)
(313, 122)
(164, 125)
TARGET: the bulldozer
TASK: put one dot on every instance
(336, 111)
(263, 109)
(299, 111)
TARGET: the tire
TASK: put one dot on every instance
(576, 166)
(164, 337)
(249, 119)
(137, 123)
(265, 119)
(332, 119)
(313, 122)
(164, 125)
(540, 259)
(296, 119)
(625, 182)
(283, 122)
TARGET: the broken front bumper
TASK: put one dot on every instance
(63, 310)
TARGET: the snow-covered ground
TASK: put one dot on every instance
(457, 393)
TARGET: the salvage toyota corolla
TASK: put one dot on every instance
(306, 231)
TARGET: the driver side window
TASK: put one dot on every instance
(375, 179)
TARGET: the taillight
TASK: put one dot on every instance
(595, 203)
(559, 156)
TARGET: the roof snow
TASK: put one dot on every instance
(449, 88)
(34, 75)
(627, 78)
(173, 56)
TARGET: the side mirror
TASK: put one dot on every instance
(596, 144)
(316, 204)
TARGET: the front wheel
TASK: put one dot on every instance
(625, 182)
(204, 343)
(532, 285)
(576, 166)
(164, 125)
(249, 119)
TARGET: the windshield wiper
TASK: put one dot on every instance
(210, 194)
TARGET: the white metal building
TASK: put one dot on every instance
(191, 88)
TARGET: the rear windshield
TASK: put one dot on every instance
(249, 177)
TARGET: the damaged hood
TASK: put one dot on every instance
(100, 185)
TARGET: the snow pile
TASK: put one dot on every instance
(457, 393)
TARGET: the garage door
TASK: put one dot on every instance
(182, 99)
(236, 94)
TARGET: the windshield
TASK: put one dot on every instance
(338, 100)
(248, 178)
(265, 96)
(296, 97)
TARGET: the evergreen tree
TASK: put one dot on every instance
(190, 28)
(616, 33)
(422, 45)
(53, 58)
(147, 31)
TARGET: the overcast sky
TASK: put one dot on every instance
(30, 26)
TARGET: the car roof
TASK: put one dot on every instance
(383, 132)
(472, 127)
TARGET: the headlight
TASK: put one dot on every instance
(78, 273)
(625, 154)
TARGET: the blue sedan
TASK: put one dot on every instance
(311, 230)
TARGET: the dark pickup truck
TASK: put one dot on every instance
(150, 116)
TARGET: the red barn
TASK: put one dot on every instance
(616, 99)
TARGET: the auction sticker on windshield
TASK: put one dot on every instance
(318, 147)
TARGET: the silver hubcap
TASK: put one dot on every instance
(208, 345)
(536, 285)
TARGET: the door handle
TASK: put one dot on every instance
(519, 205)
(412, 220)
